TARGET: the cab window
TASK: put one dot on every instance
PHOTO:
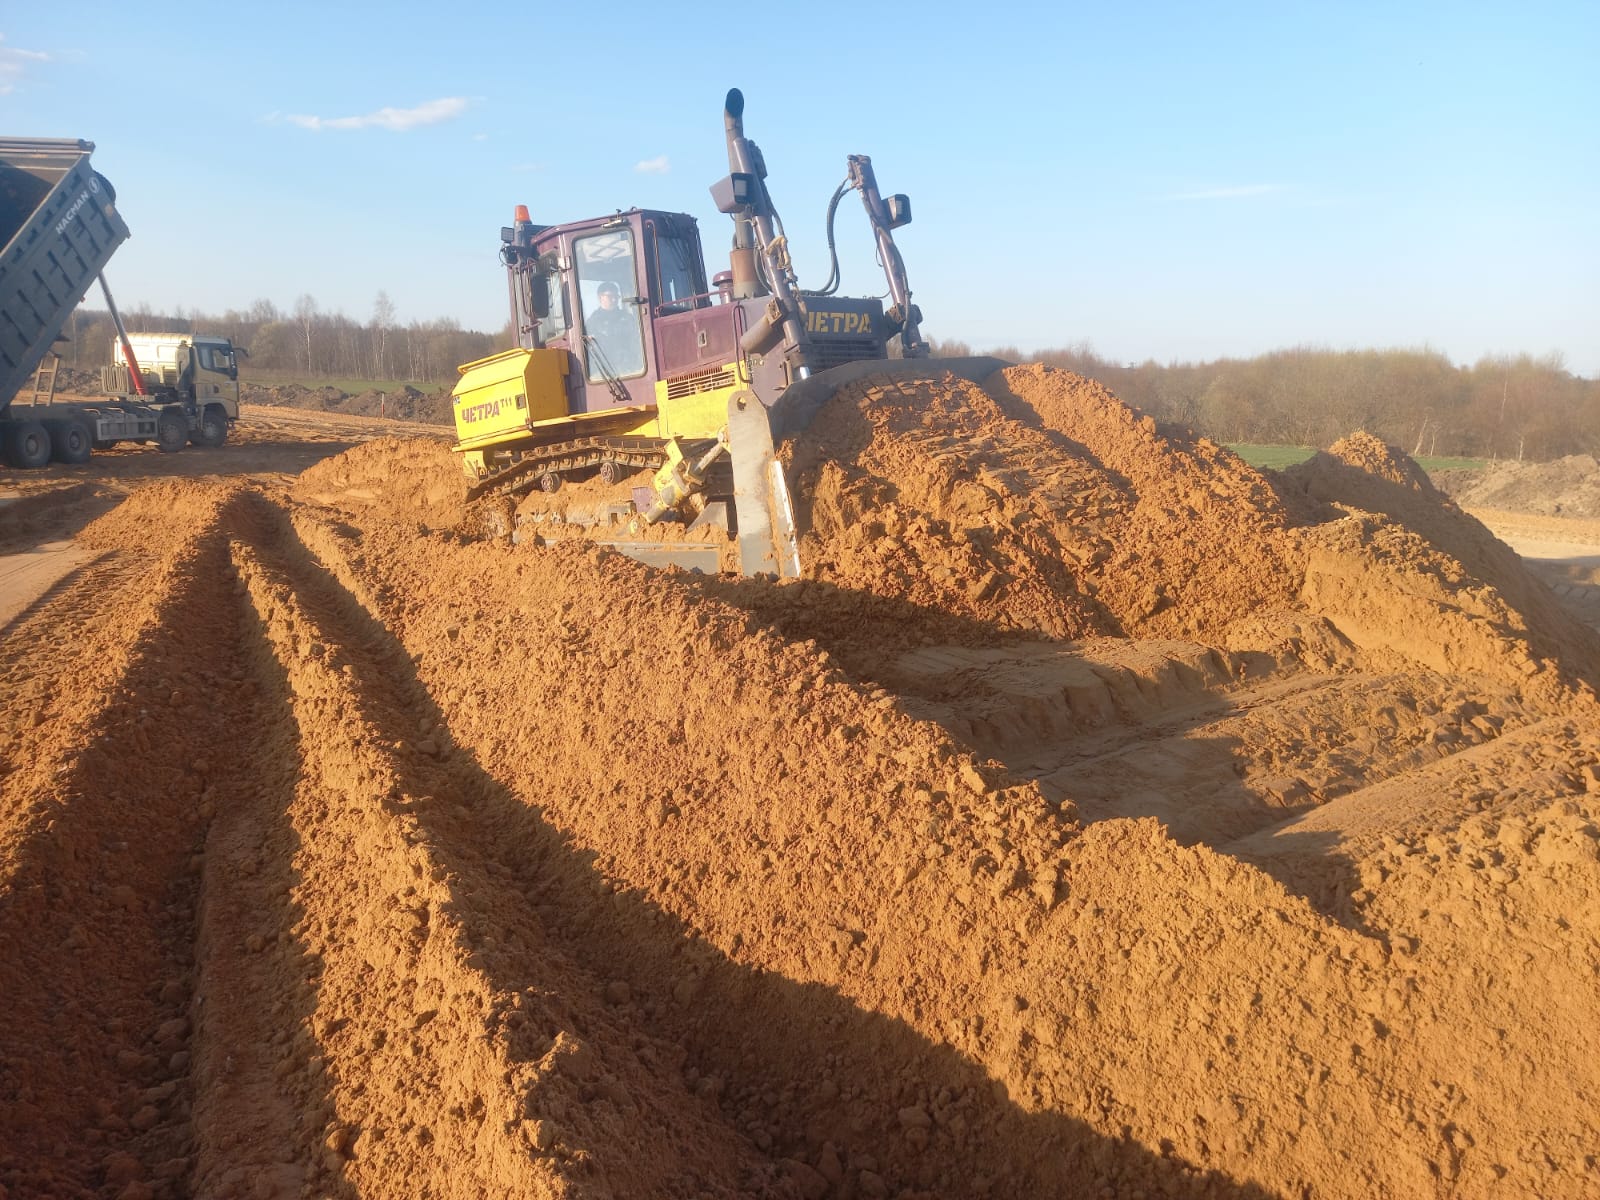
(553, 324)
(613, 334)
(674, 259)
(217, 358)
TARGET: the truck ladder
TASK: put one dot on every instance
(44, 379)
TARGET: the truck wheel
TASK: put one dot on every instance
(213, 428)
(70, 442)
(172, 430)
(28, 445)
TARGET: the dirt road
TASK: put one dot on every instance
(1099, 817)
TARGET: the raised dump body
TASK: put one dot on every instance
(59, 226)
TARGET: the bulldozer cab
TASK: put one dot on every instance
(598, 289)
(626, 298)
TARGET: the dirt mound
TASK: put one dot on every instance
(1371, 456)
(1041, 504)
(1405, 568)
(1567, 487)
(1202, 540)
(1046, 506)
(406, 404)
(404, 479)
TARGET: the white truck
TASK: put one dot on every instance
(199, 372)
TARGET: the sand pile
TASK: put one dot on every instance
(1404, 569)
(1202, 544)
(415, 480)
(1566, 487)
(1039, 503)
(1045, 506)
(1118, 985)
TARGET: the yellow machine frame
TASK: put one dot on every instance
(516, 402)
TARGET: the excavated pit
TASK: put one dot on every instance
(1099, 817)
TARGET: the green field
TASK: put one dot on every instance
(1278, 457)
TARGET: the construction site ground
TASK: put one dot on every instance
(1099, 817)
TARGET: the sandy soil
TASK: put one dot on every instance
(1567, 487)
(1099, 817)
(1564, 552)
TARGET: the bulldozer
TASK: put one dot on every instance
(630, 361)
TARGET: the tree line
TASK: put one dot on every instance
(1498, 408)
(306, 341)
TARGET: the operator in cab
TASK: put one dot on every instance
(616, 332)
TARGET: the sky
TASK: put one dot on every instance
(1168, 182)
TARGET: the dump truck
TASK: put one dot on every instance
(59, 226)
(630, 361)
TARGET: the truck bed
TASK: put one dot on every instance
(59, 226)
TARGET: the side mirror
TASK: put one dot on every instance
(539, 295)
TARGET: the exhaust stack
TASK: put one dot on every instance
(760, 257)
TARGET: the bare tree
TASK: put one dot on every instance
(382, 322)
(305, 312)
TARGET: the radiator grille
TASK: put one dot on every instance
(706, 381)
(831, 352)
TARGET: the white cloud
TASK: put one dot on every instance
(14, 64)
(397, 120)
(1231, 193)
(653, 166)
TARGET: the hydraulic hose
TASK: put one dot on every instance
(832, 285)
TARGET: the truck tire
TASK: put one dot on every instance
(172, 430)
(213, 428)
(70, 442)
(27, 445)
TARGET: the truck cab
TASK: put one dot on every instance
(200, 372)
